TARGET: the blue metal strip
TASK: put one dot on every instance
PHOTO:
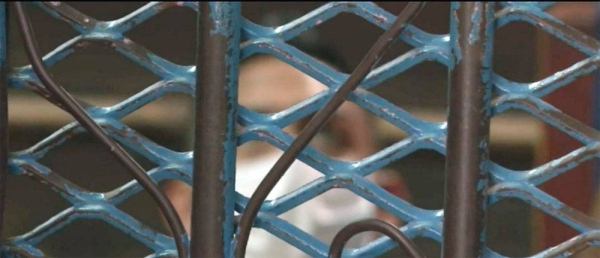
(596, 105)
(3, 111)
(503, 182)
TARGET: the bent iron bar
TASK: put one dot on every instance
(471, 28)
(340, 239)
(314, 125)
(75, 109)
(3, 109)
(215, 144)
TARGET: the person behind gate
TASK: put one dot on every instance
(268, 85)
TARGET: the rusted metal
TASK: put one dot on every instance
(468, 128)
(214, 144)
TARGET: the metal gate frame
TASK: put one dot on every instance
(476, 95)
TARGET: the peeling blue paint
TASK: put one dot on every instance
(454, 35)
(220, 13)
(444, 49)
(476, 23)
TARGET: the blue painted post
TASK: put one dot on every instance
(3, 109)
(596, 105)
(215, 144)
(471, 38)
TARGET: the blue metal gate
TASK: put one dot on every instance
(476, 95)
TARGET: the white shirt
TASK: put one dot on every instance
(322, 217)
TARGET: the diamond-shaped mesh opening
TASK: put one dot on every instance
(92, 238)
(391, 180)
(171, 34)
(580, 176)
(514, 52)
(353, 134)
(530, 132)
(268, 85)
(276, 13)
(581, 98)
(386, 134)
(167, 121)
(254, 162)
(423, 173)
(87, 163)
(521, 234)
(260, 90)
(568, 56)
(514, 156)
(97, 10)
(20, 215)
(396, 50)
(325, 215)
(180, 195)
(516, 138)
(422, 90)
(427, 246)
(433, 18)
(98, 74)
(49, 33)
(509, 228)
(143, 208)
(522, 53)
(261, 240)
(330, 35)
(28, 125)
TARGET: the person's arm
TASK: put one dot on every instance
(180, 195)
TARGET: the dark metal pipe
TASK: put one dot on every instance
(340, 239)
(468, 128)
(3, 109)
(215, 145)
(317, 122)
(75, 109)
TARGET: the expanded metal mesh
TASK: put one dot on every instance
(504, 182)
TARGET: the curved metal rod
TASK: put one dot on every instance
(74, 108)
(340, 239)
(317, 122)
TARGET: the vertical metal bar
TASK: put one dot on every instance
(596, 106)
(471, 34)
(215, 145)
(3, 109)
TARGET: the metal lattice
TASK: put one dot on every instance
(504, 183)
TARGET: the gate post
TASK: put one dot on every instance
(3, 109)
(215, 145)
(471, 39)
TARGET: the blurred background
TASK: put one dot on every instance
(103, 77)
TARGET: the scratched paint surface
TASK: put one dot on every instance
(504, 183)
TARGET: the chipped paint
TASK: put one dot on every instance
(476, 24)
(267, 127)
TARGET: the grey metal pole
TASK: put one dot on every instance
(215, 145)
(471, 39)
(3, 109)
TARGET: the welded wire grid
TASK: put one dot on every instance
(504, 183)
